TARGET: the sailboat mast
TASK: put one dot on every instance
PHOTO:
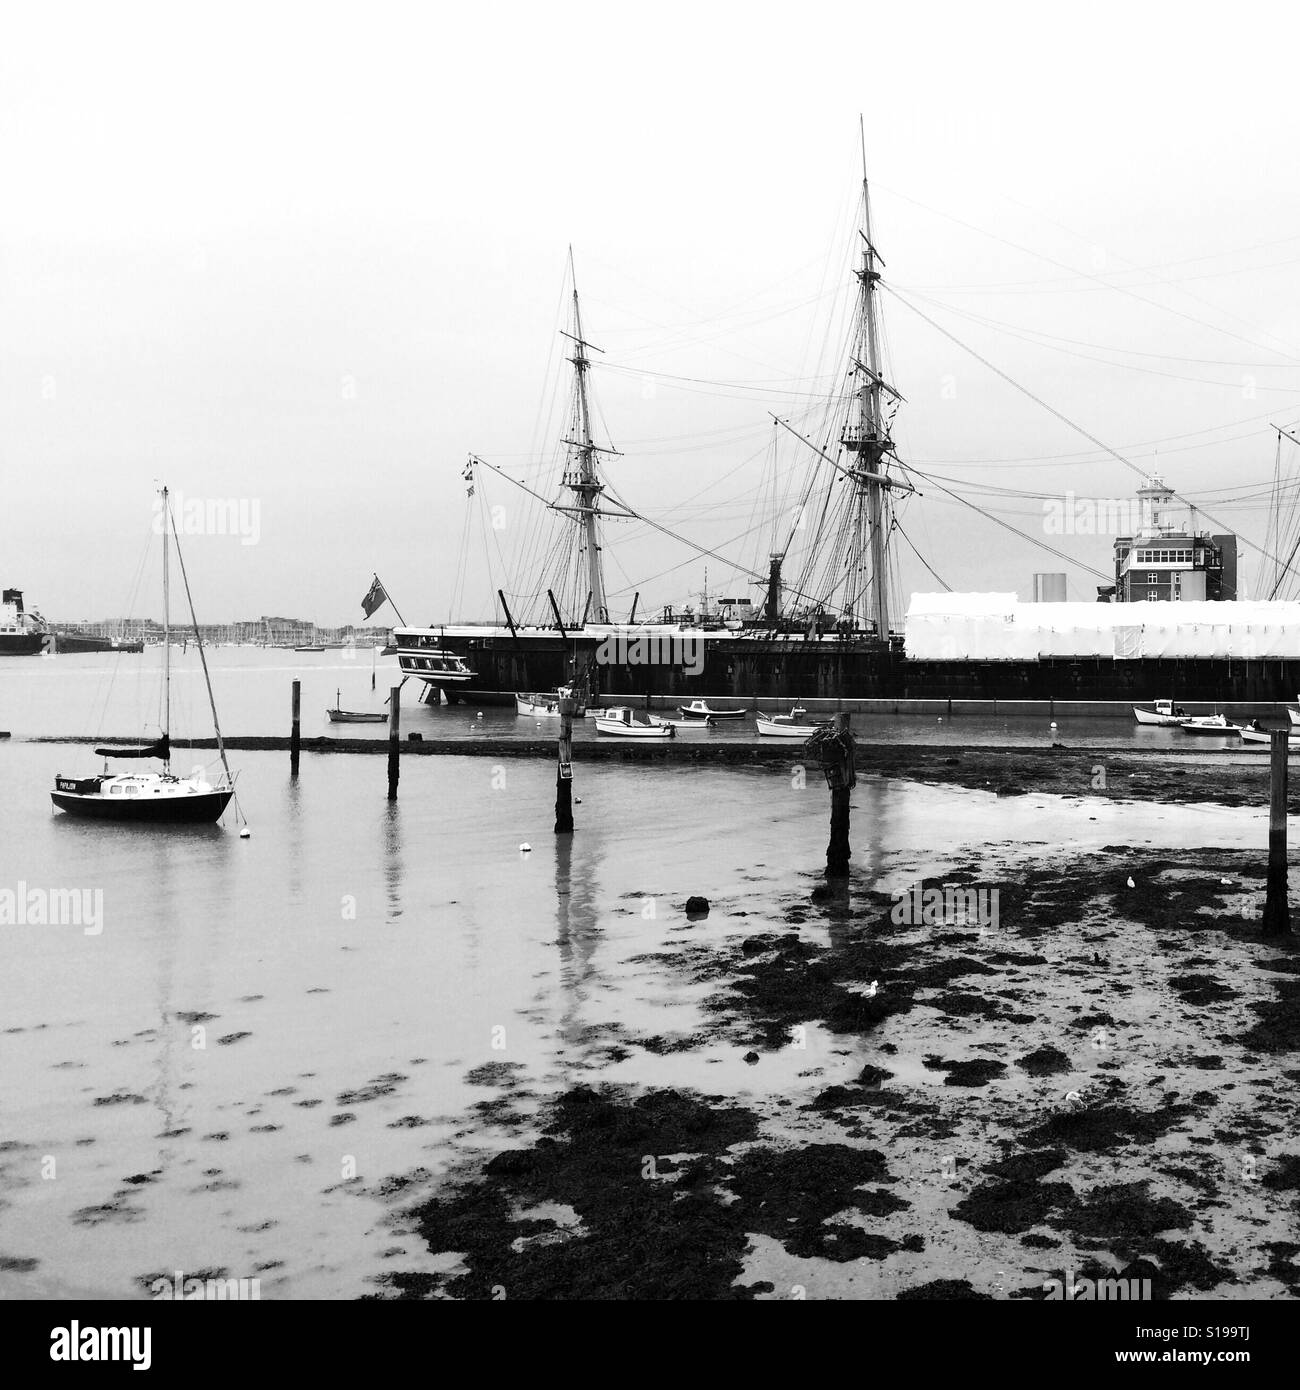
(584, 480)
(167, 630)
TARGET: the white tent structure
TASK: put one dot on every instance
(998, 627)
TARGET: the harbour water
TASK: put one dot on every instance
(119, 695)
(265, 1048)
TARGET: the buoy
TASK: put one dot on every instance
(525, 848)
(245, 834)
(1131, 884)
(577, 801)
(1053, 723)
(479, 715)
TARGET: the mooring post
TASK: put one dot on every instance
(838, 763)
(564, 772)
(295, 729)
(394, 735)
(1277, 912)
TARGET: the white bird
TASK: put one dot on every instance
(1131, 884)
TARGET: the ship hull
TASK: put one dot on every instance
(21, 643)
(199, 809)
(782, 669)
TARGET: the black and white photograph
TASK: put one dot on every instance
(649, 654)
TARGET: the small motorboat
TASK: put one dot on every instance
(1207, 724)
(317, 647)
(623, 723)
(1163, 713)
(699, 709)
(783, 726)
(351, 716)
(1254, 734)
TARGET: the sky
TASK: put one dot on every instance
(309, 258)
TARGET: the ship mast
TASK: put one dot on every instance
(581, 476)
(867, 436)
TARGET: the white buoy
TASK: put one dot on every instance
(1053, 723)
(1131, 884)
(525, 848)
(577, 801)
(245, 834)
(479, 715)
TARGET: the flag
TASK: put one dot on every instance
(376, 598)
(468, 476)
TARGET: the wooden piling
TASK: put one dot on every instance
(394, 734)
(564, 772)
(1277, 911)
(841, 774)
(295, 729)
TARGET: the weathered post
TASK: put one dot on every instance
(295, 729)
(564, 772)
(834, 747)
(1277, 912)
(394, 734)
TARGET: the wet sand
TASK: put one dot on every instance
(1103, 1085)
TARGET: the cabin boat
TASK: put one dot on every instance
(1163, 713)
(699, 709)
(1207, 724)
(623, 723)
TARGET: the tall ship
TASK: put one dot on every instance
(822, 624)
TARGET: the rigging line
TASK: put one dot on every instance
(1051, 410)
(732, 386)
(1026, 337)
(1033, 540)
(1154, 303)
(1178, 282)
(923, 560)
(1157, 265)
(1081, 342)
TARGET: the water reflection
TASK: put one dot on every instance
(577, 860)
(394, 871)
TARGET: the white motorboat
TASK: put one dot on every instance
(1263, 736)
(623, 723)
(1163, 713)
(783, 726)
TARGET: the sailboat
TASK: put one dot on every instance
(154, 798)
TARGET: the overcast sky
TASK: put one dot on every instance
(311, 257)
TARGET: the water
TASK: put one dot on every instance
(355, 965)
(120, 695)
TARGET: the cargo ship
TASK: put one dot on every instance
(24, 633)
(1169, 627)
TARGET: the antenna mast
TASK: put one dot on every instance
(581, 475)
(868, 436)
